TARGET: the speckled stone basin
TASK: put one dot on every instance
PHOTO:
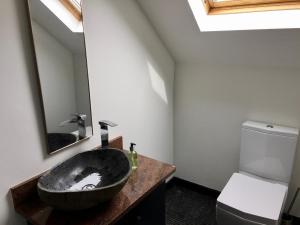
(85, 180)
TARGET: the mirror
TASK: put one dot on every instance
(59, 46)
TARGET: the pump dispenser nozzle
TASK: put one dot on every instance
(132, 146)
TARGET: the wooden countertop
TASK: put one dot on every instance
(149, 175)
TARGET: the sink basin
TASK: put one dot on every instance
(85, 180)
(60, 140)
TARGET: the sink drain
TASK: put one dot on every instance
(88, 187)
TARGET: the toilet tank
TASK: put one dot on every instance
(268, 150)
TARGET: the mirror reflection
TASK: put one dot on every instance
(58, 38)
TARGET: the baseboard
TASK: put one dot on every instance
(192, 186)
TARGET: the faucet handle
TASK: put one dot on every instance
(105, 123)
(79, 116)
(76, 118)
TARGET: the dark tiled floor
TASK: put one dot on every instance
(185, 206)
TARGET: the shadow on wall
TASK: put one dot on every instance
(24, 27)
(295, 183)
(12, 217)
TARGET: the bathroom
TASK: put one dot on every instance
(180, 94)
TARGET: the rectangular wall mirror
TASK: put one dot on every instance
(59, 47)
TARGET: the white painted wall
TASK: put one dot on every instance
(224, 87)
(212, 101)
(131, 76)
(56, 71)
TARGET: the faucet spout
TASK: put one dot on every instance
(80, 120)
(104, 132)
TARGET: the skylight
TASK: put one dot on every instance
(67, 12)
(214, 7)
(254, 20)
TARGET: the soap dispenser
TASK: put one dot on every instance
(133, 158)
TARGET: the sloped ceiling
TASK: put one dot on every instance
(175, 24)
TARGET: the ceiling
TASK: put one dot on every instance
(176, 26)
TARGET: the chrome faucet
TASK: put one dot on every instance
(80, 120)
(104, 132)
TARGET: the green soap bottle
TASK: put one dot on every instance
(133, 157)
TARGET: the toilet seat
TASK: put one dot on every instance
(251, 200)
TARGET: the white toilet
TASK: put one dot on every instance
(257, 194)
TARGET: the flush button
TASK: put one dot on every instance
(270, 126)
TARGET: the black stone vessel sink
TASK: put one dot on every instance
(85, 180)
(60, 140)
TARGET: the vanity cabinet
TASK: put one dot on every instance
(140, 202)
(149, 211)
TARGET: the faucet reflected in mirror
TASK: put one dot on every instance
(79, 119)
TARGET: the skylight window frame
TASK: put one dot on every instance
(77, 4)
(73, 7)
(246, 6)
(267, 20)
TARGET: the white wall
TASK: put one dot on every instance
(56, 71)
(131, 76)
(212, 101)
(123, 52)
(209, 96)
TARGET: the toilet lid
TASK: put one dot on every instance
(253, 196)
